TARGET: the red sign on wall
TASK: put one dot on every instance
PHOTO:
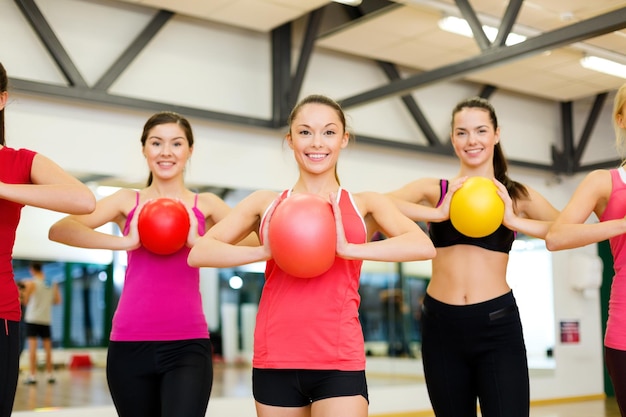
(570, 331)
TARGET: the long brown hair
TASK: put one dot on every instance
(162, 118)
(500, 167)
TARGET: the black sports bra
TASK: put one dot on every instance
(444, 234)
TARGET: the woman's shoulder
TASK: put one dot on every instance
(206, 197)
(256, 202)
(127, 193)
(262, 197)
(601, 180)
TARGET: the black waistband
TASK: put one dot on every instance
(495, 308)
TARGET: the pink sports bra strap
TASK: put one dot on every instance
(443, 185)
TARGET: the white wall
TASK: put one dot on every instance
(185, 64)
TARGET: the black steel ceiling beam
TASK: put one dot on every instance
(506, 24)
(392, 73)
(306, 51)
(601, 165)
(596, 26)
(409, 146)
(567, 161)
(487, 91)
(470, 16)
(51, 42)
(102, 97)
(281, 74)
(414, 109)
(133, 50)
(564, 160)
(366, 10)
(445, 150)
(592, 120)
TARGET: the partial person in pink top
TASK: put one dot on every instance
(160, 357)
(26, 179)
(603, 192)
(309, 358)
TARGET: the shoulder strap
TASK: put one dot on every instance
(443, 186)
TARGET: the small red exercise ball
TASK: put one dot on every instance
(163, 226)
(302, 235)
(476, 209)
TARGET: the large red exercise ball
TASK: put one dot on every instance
(476, 209)
(302, 235)
(163, 226)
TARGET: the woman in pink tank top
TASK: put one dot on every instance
(308, 344)
(159, 358)
(603, 193)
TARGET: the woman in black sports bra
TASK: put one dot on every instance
(472, 343)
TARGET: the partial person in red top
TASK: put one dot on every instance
(309, 356)
(26, 178)
(603, 193)
(159, 359)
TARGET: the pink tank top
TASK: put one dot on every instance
(615, 336)
(161, 296)
(313, 323)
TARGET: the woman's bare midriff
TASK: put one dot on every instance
(465, 274)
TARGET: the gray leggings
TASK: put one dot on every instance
(475, 352)
(166, 379)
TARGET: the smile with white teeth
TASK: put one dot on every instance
(317, 155)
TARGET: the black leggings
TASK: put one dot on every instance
(9, 364)
(160, 379)
(616, 365)
(475, 352)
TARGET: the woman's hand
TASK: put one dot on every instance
(132, 239)
(342, 242)
(444, 207)
(264, 232)
(509, 213)
(193, 235)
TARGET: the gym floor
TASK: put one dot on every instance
(87, 387)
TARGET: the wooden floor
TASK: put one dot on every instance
(87, 388)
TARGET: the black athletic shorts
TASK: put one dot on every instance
(38, 330)
(300, 387)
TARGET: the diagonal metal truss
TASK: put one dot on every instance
(287, 83)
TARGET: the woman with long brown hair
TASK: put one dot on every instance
(472, 342)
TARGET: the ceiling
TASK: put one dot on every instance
(404, 39)
(406, 33)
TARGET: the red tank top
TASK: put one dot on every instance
(313, 323)
(15, 166)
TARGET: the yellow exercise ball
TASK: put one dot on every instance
(476, 209)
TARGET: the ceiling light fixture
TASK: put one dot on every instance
(460, 26)
(349, 2)
(605, 66)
